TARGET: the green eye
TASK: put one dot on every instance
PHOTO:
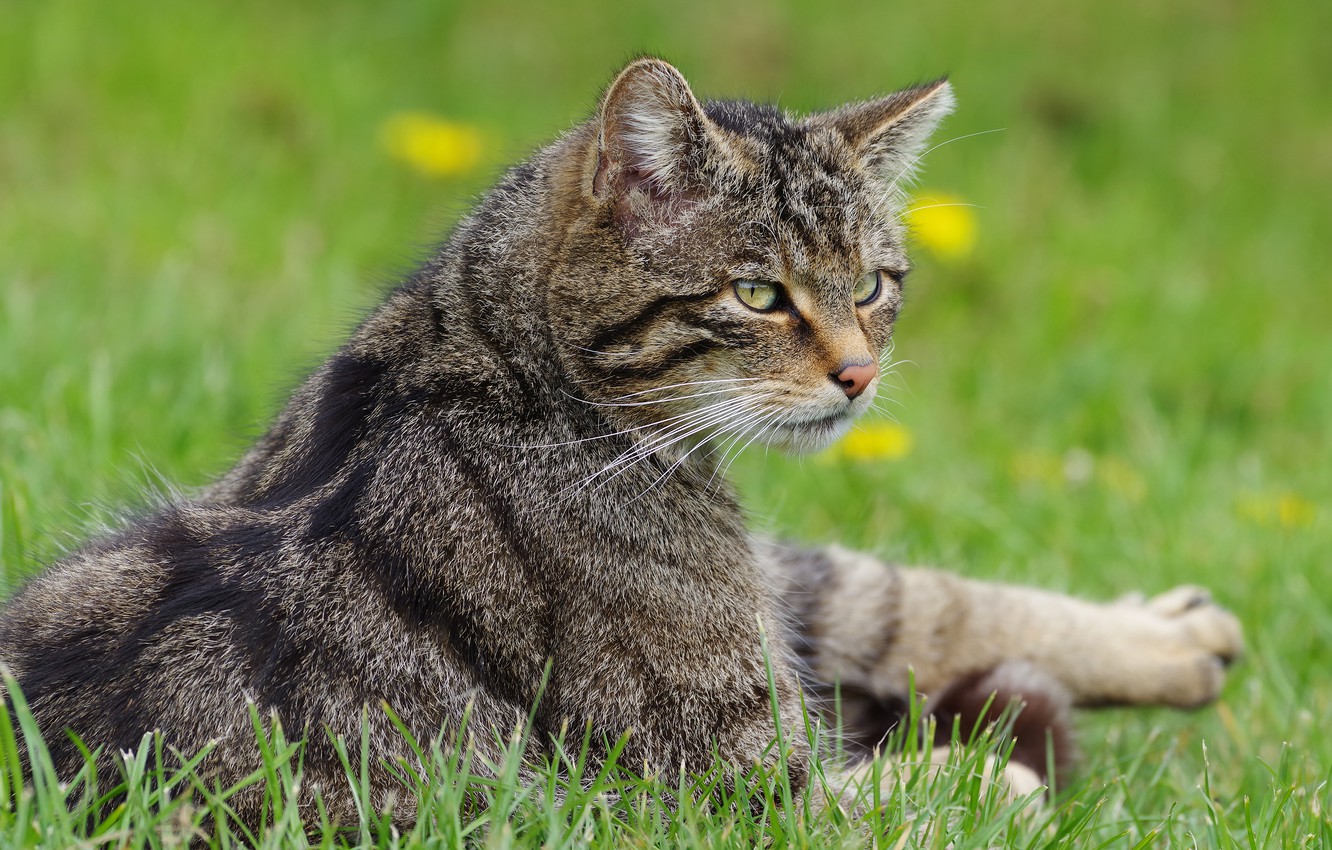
(867, 289)
(758, 294)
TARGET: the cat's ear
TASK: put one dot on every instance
(890, 133)
(651, 129)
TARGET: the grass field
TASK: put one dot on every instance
(1124, 384)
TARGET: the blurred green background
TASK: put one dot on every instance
(1124, 384)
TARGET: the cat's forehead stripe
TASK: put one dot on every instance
(813, 206)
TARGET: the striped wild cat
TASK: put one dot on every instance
(514, 465)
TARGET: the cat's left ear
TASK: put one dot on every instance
(652, 132)
(890, 133)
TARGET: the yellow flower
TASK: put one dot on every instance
(1282, 510)
(943, 224)
(876, 441)
(431, 145)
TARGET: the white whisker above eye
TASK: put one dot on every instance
(936, 206)
(906, 170)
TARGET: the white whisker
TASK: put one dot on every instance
(725, 448)
(614, 433)
(668, 400)
(781, 416)
(685, 384)
(717, 474)
(697, 421)
(683, 458)
(934, 206)
(906, 169)
(688, 425)
(604, 353)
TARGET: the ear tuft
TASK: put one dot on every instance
(890, 133)
(651, 129)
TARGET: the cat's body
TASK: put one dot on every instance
(512, 464)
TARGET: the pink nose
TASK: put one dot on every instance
(855, 377)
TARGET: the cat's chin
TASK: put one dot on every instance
(811, 436)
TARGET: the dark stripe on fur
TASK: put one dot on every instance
(882, 639)
(335, 515)
(812, 576)
(661, 361)
(653, 312)
(346, 397)
(733, 332)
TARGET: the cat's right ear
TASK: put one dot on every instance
(890, 134)
(651, 129)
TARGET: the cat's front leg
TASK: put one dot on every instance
(864, 623)
(1172, 650)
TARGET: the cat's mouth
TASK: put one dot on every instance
(827, 421)
(812, 434)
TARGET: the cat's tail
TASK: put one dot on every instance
(1028, 703)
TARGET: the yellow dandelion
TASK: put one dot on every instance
(1280, 510)
(1294, 511)
(944, 224)
(430, 145)
(876, 441)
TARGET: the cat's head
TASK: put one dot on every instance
(728, 271)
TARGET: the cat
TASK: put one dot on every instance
(514, 463)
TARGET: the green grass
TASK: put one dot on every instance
(158, 799)
(194, 207)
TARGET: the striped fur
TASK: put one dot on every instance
(519, 459)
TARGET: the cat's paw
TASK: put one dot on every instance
(1173, 602)
(1187, 646)
(1179, 600)
(1204, 624)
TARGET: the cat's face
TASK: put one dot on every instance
(730, 275)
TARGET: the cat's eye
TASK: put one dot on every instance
(758, 294)
(868, 288)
